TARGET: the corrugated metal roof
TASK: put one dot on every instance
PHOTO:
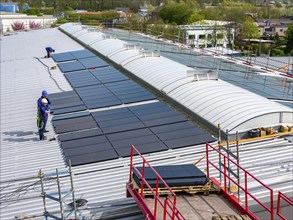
(22, 155)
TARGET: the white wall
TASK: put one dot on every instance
(6, 21)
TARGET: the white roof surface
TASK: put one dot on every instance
(23, 78)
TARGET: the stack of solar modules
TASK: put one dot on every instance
(173, 175)
(108, 134)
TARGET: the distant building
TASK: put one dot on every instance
(270, 27)
(12, 7)
(209, 34)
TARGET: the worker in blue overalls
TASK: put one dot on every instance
(42, 118)
(49, 50)
(39, 102)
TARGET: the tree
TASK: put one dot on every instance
(177, 13)
(289, 39)
(250, 29)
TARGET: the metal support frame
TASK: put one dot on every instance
(60, 199)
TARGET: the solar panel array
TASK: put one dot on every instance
(66, 102)
(150, 127)
(72, 55)
(94, 77)
(78, 60)
(102, 135)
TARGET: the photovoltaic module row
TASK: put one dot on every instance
(111, 94)
(72, 55)
(94, 77)
(117, 129)
(81, 64)
(66, 102)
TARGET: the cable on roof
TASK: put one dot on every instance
(48, 69)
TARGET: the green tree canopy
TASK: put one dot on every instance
(177, 13)
(289, 39)
(249, 29)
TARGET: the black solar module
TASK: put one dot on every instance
(108, 74)
(70, 116)
(80, 134)
(78, 54)
(173, 175)
(66, 102)
(74, 124)
(92, 62)
(143, 139)
(116, 120)
(81, 78)
(70, 66)
(128, 91)
(61, 57)
(93, 157)
(97, 96)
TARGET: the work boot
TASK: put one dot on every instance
(46, 131)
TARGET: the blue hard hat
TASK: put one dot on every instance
(44, 93)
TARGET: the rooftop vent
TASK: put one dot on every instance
(202, 75)
(108, 36)
(76, 23)
(150, 53)
(84, 27)
(132, 46)
(92, 30)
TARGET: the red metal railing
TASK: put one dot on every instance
(245, 187)
(286, 199)
(170, 210)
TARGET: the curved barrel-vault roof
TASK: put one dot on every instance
(214, 100)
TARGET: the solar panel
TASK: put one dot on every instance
(97, 96)
(66, 102)
(78, 54)
(70, 66)
(116, 120)
(61, 57)
(108, 74)
(92, 62)
(86, 141)
(70, 109)
(173, 175)
(93, 157)
(144, 139)
(74, 124)
(70, 116)
(81, 78)
(128, 91)
(80, 134)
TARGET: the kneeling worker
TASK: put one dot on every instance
(49, 50)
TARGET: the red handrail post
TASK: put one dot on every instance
(207, 160)
(156, 199)
(279, 204)
(246, 191)
(165, 209)
(142, 178)
(272, 205)
(173, 207)
(225, 178)
(131, 161)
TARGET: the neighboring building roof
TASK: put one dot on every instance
(122, 9)
(9, 3)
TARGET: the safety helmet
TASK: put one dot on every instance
(44, 101)
(44, 93)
